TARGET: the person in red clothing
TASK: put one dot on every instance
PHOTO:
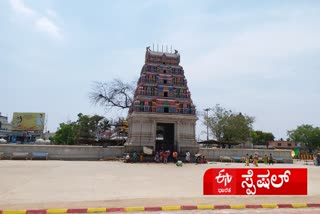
(204, 160)
(175, 156)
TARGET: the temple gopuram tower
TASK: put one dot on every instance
(162, 115)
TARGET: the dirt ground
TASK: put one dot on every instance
(83, 184)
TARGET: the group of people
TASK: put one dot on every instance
(200, 159)
(255, 159)
(162, 156)
(165, 156)
(136, 157)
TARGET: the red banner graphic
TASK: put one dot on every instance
(253, 181)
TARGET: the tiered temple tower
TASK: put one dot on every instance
(162, 115)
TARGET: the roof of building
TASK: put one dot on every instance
(161, 53)
(281, 141)
(217, 142)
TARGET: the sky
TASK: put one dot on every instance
(261, 58)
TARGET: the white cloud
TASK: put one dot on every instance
(272, 51)
(264, 64)
(264, 43)
(20, 7)
(51, 13)
(43, 23)
(46, 25)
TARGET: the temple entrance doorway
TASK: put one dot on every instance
(165, 137)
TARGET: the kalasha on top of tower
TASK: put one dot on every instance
(164, 58)
(162, 86)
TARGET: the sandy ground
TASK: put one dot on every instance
(76, 184)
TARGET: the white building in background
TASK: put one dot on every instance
(4, 125)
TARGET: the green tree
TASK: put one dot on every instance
(261, 138)
(306, 134)
(99, 123)
(89, 127)
(237, 128)
(66, 134)
(228, 127)
(216, 120)
(85, 127)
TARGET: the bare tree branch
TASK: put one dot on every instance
(114, 94)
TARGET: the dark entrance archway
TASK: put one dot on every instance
(165, 137)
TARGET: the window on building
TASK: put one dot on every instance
(289, 144)
(164, 81)
(164, 71)
(166, 109)
(164, 63)
(279, 144)
(165, 94)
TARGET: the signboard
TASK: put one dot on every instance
(253, 181)
(22, 121)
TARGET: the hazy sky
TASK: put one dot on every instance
(261, 58)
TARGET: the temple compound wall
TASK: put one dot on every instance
(65, 152)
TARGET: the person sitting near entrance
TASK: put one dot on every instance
(141, 157)
(204, 160)
(197, 158)
(127, 160)
(179, 163)
(135, 157)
